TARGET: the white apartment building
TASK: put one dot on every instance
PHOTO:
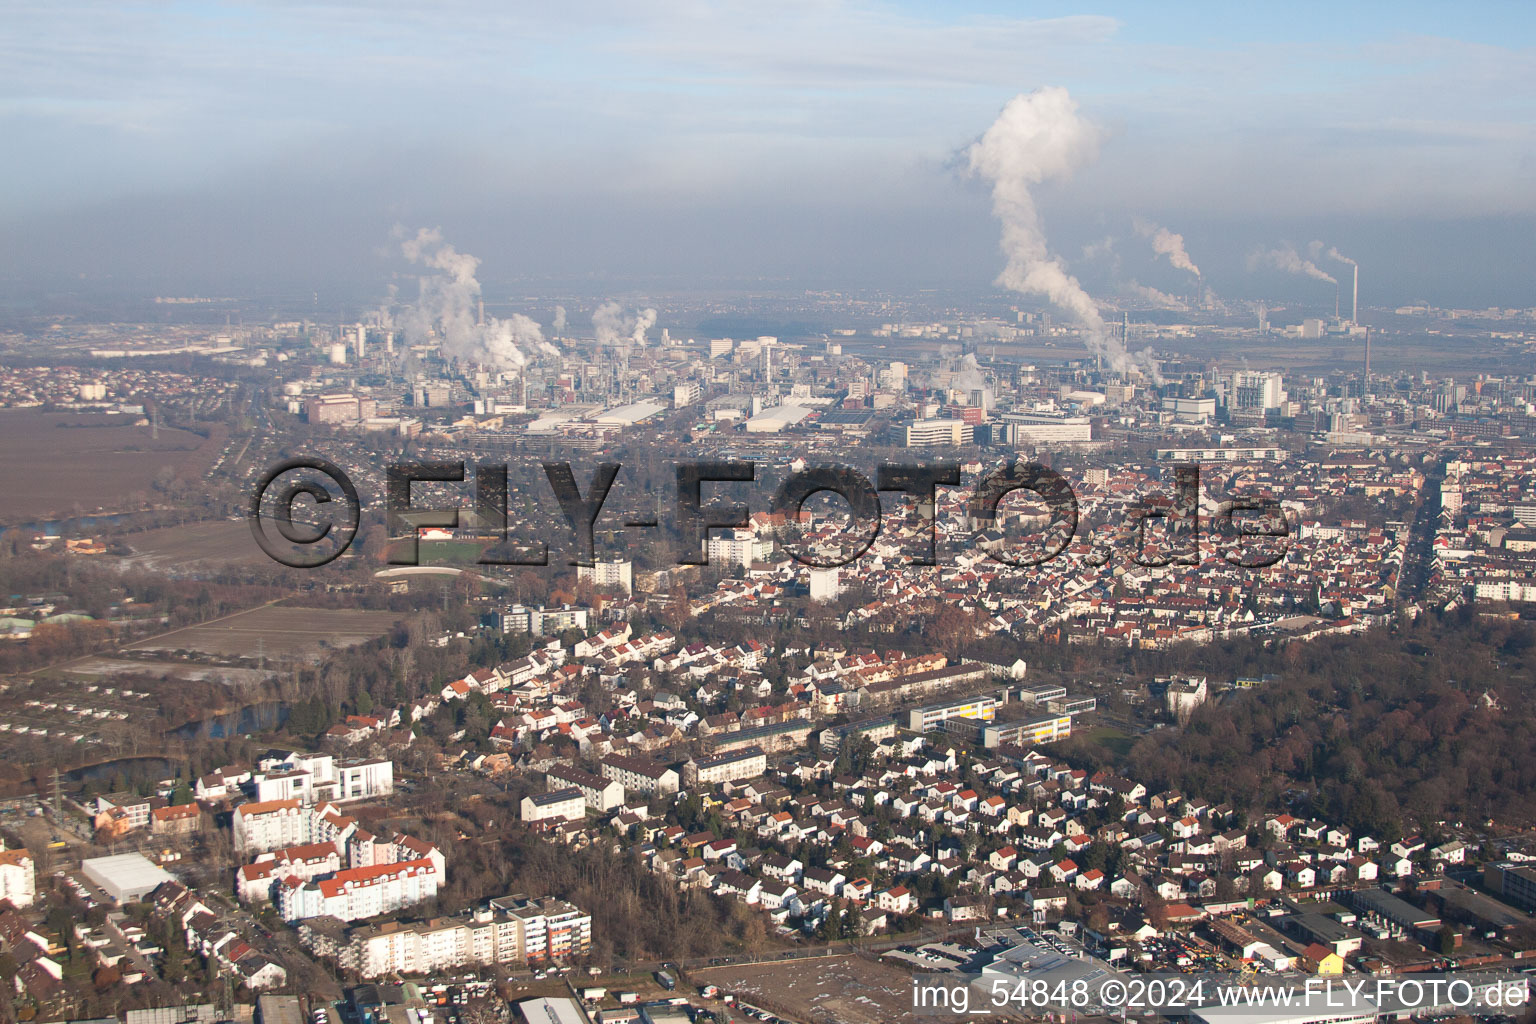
(270, 825)
(510, 930)
(364, 779)
(609, 574)
(567, 803)
(640, 775)
(331, 844)
(359, 892)
(314, 778)
(18, 879)
(547, 929)
(738, 547)
(253, 882)
(825, 584)
(746, 763)
(543, 621)
(601, 794)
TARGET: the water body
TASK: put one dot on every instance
(79, 524)
(159, 767)
(252, 718)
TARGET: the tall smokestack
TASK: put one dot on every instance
(1354, 313)
(1366, 389)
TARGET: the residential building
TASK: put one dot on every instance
(566, 803)
(640, 775)
(710, 770)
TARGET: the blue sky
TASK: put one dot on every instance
(666, 142)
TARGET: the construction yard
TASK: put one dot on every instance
(823, 990)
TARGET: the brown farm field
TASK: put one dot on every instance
(60, 465)
(274, 632)
(213, 542)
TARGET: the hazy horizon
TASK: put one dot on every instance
(233, 150)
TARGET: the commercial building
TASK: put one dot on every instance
(125, 877)
(939, 433)
(1065, 705)
(629, 415)
(933, 716)
(1045, 428)
(1054, 970)
(1514, 883)
(747, 763)
(1381, 908)
(339, 407)
(1256, 390)
(1326, 930)
(1041, 693)
(1199, 411)
(550, 1011)
(685, 394)
(1296, 1006)
(1024, 732)
(771, 421)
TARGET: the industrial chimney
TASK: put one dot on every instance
(1354, 315)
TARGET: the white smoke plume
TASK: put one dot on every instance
(1152, 295)
(1103, 249)
(386, 311)
(969, 378)
(612, 327)
(608, 323)
(1040, 137)
(559, 324)
(1166, 243)
(1335, 255)
(1286, 258)
(644, 321)
(447, 308)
